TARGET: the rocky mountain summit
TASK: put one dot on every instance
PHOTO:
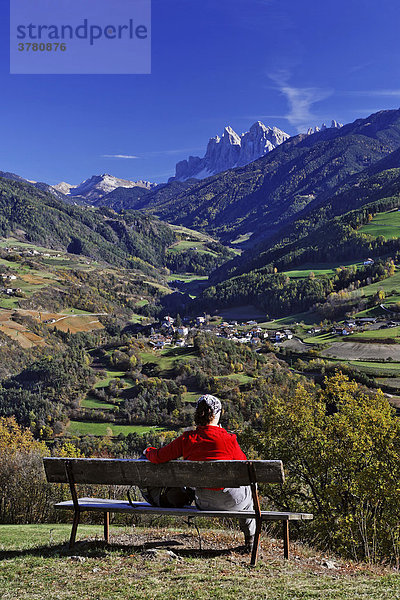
(231, 150)
(98, 186)
(334, 125)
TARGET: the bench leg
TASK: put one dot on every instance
(74, 529)
(286, 539)
(256, 543)
(107, 527)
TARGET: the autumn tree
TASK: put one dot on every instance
(340, 447)
(22, 485)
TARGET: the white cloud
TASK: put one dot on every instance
(118, 156)
(300, 101)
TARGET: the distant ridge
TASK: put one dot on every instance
(97, 186)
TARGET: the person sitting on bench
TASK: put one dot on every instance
(209, 441)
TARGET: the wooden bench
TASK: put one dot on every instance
(176, 473)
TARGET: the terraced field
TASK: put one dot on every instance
(27, 339)
(17, 332)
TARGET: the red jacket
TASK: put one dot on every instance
(207, 442)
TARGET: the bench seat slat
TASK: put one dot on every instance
(104, 505)
(176, 473)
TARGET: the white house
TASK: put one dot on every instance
(183, 331)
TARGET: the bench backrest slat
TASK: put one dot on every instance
(231, 473)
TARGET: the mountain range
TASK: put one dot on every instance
(301, 201)
(97, 186)
(261, 198)
(231, 150)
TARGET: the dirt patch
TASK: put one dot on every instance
(77, 323)
(34, 279)
(296, 345)
(359, 351)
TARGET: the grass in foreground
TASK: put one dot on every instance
(37, 565)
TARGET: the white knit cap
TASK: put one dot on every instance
(213, 402)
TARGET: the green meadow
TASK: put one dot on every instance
(101, 429)
(386, 224)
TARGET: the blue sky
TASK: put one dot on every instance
(289, 63)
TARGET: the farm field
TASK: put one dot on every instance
(183, 245)
(191, 233)
(324, 338)
(186, 277)
(18, 332)
(135, 318)
(8, 242)
(363, 352)
(308, 318)
(386, 224)
(30, 279)
(110, 374)
(244, 237)
(77, 323)
(241, 377)
(391, 333)
(318, 269)
(191, 397)
(387, 285)
(80, 428)
(95, 403)
(75, 311)
(27, 339)
(392, 382)
(166, 358)
(373, 368)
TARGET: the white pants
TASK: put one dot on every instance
(228, 499)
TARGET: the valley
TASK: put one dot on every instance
(274, 285)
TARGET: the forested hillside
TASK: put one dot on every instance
(329, 233)
(138, 198)
(131, 240)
